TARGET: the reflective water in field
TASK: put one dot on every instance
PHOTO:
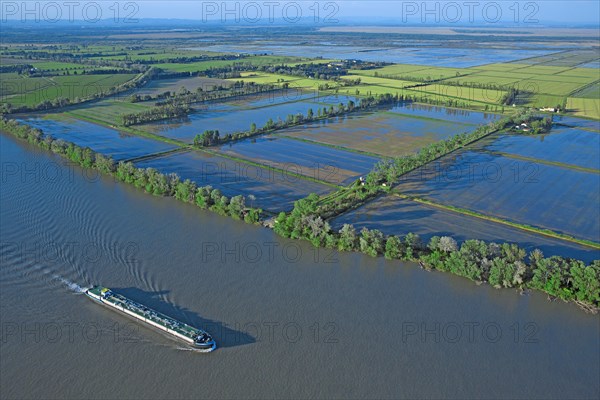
(238, 115)
(434, 56)
(395, 216)
(291, 322)
(538, 194)
(275, 188)
(103, 140)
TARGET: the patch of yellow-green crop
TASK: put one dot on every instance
(582, 107)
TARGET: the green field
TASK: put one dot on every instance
(23, 91)
(205, 65)
(385, 82)
(411, 70)
(591, 92)
(109, 111)
(485, 96)
(584, 107)
(277, 79)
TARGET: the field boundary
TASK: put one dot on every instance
(545, 162)
(524, 227)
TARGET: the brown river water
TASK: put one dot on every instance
(290, 321)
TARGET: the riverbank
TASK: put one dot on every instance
(501, 265)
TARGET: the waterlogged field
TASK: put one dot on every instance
(429, 56)
(384, 133)
(546, 196)
(236, 119)
(458, 115)
(313, 160)
(103, 140)
(396, 216)
(570, 146)
(274, 190)
(574, 122)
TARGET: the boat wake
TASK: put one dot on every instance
(179, 348)
(72, 286)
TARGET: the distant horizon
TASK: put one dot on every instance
(304, 22)
(397, 13)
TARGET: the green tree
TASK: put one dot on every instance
(393, 248)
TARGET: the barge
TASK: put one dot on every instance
(198, 338)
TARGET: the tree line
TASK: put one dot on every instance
(213, 138)
(166, 111)
(504, 265)
(148, 179)
(387, 173)
(59, 102)
(501, 265)
(217, 92)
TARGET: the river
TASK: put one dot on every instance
(290, 321)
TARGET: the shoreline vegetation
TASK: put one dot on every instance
(169, 106)
(212, 137)
(502, 265)
(138, 81)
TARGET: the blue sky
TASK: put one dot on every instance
(460, 12)
(410, 11)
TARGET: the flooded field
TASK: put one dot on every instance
(103, 140)
(395, 216)
(564, 145)
(519, 191)
(385, 133)
(274, 190)
(237, 115)
(317, 161)
(577, 122)
(449, 114)
(203, 269)
(435, 56)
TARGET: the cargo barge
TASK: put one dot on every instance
(196, 337)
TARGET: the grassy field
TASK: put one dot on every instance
(205, 65)
(19, 90)
(276, 79)
(545, 100)
(376, 81)
(415, 71)
(590, 92)
(108, 111)
(582, 107)
(49, 66)
(470, 94)
(571, 58)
